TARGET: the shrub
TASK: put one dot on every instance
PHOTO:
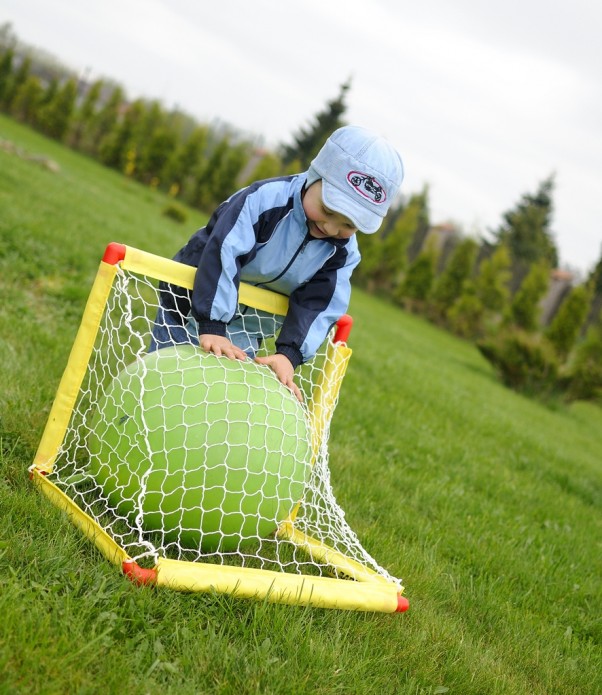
(526, 363)
(585, 376)
(176, 213)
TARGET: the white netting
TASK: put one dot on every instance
(180, 454)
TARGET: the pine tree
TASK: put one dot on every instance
(185, 161)
(466, 315)
(267, 167)
(525, 309)
(526, 232)
(310, 139)
(397, 238)
(595, 310)
(491, 282)
(225, 183)
(118, 149)
(84, 117)
(418, 281)
(371, 250)
(218, 178)
(55, 116)
(6, 69)
(155, 155)
(16, 82)
(450, 283)
(26, 100)
(105, 120)
(569, 318)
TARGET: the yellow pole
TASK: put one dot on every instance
(74, 373)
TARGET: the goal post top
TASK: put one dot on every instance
(181, 274)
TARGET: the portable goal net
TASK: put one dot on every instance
(196, 472)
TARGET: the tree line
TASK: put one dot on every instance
(488, 290)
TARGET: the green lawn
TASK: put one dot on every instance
(487, 504)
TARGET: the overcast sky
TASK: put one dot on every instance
(484, 100)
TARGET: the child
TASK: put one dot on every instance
(293, 235)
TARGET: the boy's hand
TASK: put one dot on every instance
(221, 346)
(282, 367)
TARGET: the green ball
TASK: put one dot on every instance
(211, 453)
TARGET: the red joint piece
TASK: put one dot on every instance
(344, 325)
(402, 604)
(32, 471)
(138, 575)
(114, 253)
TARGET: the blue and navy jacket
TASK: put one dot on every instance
(260, 236)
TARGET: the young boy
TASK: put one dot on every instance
(293, 235)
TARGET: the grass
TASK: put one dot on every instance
(486, 503)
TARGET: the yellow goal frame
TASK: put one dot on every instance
(367, 591)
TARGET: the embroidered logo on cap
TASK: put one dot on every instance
(367, 186)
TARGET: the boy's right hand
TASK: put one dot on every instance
(221, 346)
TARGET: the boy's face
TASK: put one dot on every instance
(322, 222)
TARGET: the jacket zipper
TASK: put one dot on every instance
(299, 250)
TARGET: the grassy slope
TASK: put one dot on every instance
(487, 504)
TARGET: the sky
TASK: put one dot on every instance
(483, 100)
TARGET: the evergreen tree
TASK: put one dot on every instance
(569, 318)
(450, 283)
(267, 167)
(118, 149)
(55, 116)
(6, 70)
(371, 250)
(84, 117)
(526, 232)
(152, 119)
(491, 282)
(595, 309)
(397, 239)
(186, 161)
(16, 82)
(422, 230)
(418, 281)
(8, 39)
(525, 307)
(466, 315)
(232, 163)
(218, 178)
(309, 140)
(26, 100)
(105, 121)
(155, 155)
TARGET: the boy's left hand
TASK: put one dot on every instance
(283, 369)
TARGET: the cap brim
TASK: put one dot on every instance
(334, 199)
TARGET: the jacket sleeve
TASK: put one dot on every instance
(230, 244)
(317, 305)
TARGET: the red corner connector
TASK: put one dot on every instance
(343, 330)
(34, 469)
(114, 253)
(402, 604)
(137, 574)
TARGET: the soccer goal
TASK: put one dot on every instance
(196, 472)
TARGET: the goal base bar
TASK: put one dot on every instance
(276, 587)
(371, 595)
